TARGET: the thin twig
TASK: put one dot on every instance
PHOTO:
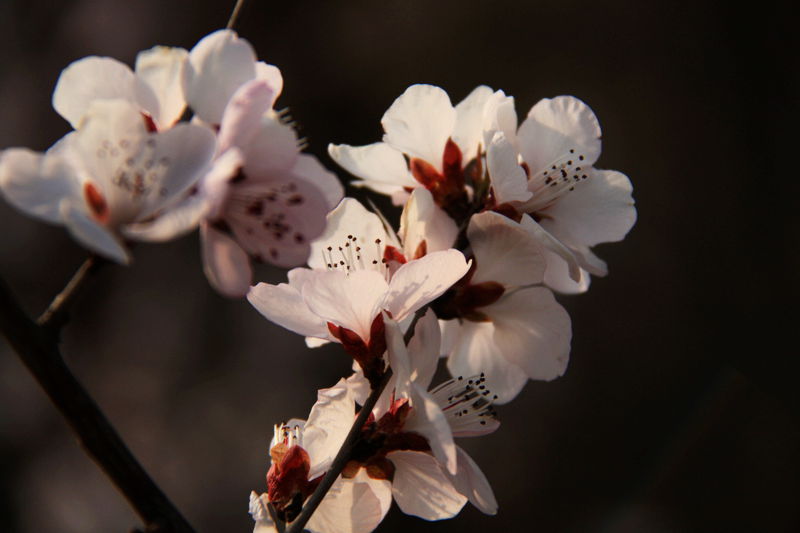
(38, 350)
(56, 313)
(234, 14)
(343, 456)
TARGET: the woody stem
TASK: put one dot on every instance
(37, 347)
(343, 456)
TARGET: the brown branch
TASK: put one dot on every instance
(343, 456)
(235, 14)
(56, 313)
(38, 350)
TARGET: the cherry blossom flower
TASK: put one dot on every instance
(301, 453)
(496, 320)
(577, 205)
(428, 143)
(408, 438)
(155, 87)
(267, 201)
(109, 174)
(219, 65)
(341, 297)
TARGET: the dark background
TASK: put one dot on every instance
(679, 411)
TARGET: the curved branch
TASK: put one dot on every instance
(37, 348)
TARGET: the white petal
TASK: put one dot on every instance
(474, 351)
(550, 243)
(170, 224)
(184, 154)
(504, 251)
(36, 183)
(557, 275)
(472, 483)
(351, 301)
(308, 168)
(500, 115)
(99, 78)
(354, 505)
(532, 331)
(421, 488)
(399, 360)
(241, 120)
(162, 68)
(424, 349)
(428, 419)
(419, 123)
(470, 119)
(92, 235)
(284, 305)
(260, 514)
(421, 281)
(227, 266)
(509, 181)
(382, 168)
(272, 75)
(556, 126)
(327, 426)
(272, 150)
(350, 218)
(138, 172)
(600, 209)
(423, 220)
(220, 63)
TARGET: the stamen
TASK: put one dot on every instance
(467, 406)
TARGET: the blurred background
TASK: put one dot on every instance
(679, 411)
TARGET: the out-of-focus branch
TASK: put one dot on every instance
(235, 14)
(56, 313)
(343, 456)
(38, 349)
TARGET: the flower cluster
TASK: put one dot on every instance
(496, 216)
